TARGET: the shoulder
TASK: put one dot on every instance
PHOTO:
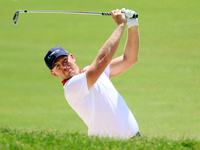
(76, 86)
(86, 68)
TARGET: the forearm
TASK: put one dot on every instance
(132, 45)
(109, 48)
(104, 56)
(130, 55)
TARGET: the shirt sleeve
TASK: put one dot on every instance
(76, 88)
(107, 71)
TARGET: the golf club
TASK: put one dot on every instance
(16, 16)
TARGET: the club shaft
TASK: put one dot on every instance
(69, 12)
(15, 18)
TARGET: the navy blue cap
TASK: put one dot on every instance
(52, 54)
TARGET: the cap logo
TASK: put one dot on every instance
(53, 53)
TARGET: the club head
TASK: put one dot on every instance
(15, 18)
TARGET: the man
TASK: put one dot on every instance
(90, 92)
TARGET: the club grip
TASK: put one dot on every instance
(109, 14)
(106, 14)
(135, 16)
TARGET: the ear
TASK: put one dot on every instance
(54, 74)
(72, 57)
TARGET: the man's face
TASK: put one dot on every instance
(65, 67)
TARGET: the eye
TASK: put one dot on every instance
(65, 60)
(57, 66)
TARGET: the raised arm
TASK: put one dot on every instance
(130, 56)
(108, 50)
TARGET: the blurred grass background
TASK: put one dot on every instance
(162, 89)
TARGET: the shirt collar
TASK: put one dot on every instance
(64, 81)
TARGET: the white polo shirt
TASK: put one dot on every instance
(102, 108)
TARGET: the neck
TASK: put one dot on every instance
(65, 80)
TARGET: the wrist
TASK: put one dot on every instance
(123, 24)
(132, 22)
(133, 29)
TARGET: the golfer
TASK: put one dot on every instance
(90, 92)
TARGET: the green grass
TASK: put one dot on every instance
(31, 139)
(162, 89)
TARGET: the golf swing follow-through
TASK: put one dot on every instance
(90, 92)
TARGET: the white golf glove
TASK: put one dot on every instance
(130, 21)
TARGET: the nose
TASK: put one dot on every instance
(64, 65)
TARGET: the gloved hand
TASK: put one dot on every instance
(129, 14)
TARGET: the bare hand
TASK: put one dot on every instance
(118, 17)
